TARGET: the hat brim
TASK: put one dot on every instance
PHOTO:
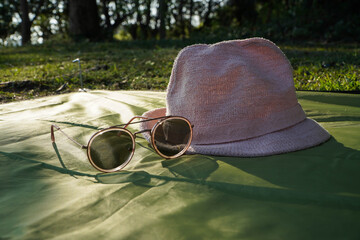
(305, 134)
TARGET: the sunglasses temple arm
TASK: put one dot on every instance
(132, 119)
(70, 138)
(145, 119)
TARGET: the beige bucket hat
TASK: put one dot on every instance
(240, 97)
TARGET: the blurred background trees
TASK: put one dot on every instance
(38, 21)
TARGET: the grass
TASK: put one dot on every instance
(33, 71)
(325, 68)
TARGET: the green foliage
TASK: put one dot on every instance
(331, 20)
(7, 8)
(122, 35)
(325, 68)
(34, 71)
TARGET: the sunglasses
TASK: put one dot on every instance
(111, 149)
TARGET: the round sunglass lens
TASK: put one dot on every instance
(111, 149)
(172, 136)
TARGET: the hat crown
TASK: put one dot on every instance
(233, 90)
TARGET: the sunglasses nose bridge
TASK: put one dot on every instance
(142, 131)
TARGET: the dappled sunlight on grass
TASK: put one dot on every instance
(325, 67)
(144, 65)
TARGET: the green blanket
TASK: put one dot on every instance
(52, 192)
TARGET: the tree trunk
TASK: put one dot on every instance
(191, 14)
(106, 13)
(138, 20)
(25, 22)
(145, 28)
(162, 15)
(84, 20)
(181, 18)
(207, 19)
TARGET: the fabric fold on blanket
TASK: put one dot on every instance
(50, 191)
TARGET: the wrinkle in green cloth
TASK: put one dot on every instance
(50, 191)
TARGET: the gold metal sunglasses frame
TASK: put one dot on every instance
(122, 127)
